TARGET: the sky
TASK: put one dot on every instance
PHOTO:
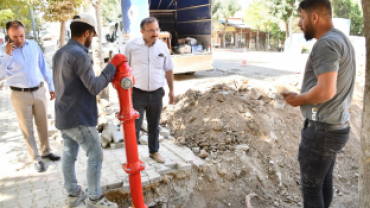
(245, 3)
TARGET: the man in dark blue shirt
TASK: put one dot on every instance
(76, 113)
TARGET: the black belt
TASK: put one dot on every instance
(324, 126)
(27, 89)
(148, 91)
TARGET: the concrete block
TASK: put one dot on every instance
(279, 104)
(170, 163)
(25, 193)
(39, 185)
(25, 202)
(10, 204)
(164, 132)
(161, 139)
(105, 103)
(183, 166)
(57, 194)
(118, 136)
(154, 176)
(163, 170)
(195, 150)
(40, 194)
(145, 181)
(44, 203)
(255, 95)
(113, 146)
(114, 183)
(144, 126)
(106, 135)
(144, 140)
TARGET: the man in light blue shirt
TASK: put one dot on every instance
(22, 63)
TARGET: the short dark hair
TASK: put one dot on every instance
(79, 28)
(146, 21)
(315, 5)
(13, 24)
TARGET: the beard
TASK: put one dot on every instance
(309, 32)
(88, 42)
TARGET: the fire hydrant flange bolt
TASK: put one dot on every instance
(126, 83)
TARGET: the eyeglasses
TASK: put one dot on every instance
(153, 31)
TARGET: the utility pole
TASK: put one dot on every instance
(33, 24)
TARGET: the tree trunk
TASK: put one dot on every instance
(364, 166)
(287, 29)
(258, 40)
(266, 41)
(224, 33)
(98, 48)
(250, 39)
(62, 33)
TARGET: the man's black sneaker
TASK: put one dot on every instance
(51, 157)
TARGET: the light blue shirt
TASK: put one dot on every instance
(26, 67)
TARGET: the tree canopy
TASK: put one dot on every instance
(258, 16)
(350, 9)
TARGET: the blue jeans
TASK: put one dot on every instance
(88, 139)
(317, 153)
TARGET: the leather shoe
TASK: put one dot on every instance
(51, 157)
(157, 157)
(39, 166)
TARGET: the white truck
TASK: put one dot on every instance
(179, 18)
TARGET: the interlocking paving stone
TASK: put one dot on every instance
(21, 184)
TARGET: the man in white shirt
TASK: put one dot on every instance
(152, 64)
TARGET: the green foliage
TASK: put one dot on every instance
(61, 10)
(111, 10)
(341, 8)
(357, 21)
(258, 16)
(17, 10)
(276, 35)
(282, 9)
(350, 9)
(225, 9)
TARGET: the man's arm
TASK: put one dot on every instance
(5, 58)
(168, 68)
(325, 90)
(45, 70)
(169, 78)
(325, 63)
(94, 84)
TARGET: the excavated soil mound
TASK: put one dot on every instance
(249, 138)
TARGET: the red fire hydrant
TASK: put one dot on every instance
(123, 81)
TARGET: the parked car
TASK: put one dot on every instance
(47, 42)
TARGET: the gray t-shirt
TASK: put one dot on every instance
(332, 53)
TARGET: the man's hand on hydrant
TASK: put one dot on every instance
(118, 60)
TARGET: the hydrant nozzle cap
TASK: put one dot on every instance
(127, 83)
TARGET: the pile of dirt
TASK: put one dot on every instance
(249, 138)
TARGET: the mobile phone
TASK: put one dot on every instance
(7, 38)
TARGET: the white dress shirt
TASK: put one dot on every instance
(149, 63)
(26, 68)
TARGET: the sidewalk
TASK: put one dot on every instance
(22, 186)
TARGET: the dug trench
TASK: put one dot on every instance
(248, 140)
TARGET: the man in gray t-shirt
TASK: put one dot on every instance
(326, 95)
(332, 53)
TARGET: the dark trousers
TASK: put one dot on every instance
(317, 153)
(151, 102)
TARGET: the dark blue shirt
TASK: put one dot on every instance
(76, 86)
